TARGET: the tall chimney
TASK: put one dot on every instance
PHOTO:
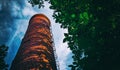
(36, 49)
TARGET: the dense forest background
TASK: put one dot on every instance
(93, 31)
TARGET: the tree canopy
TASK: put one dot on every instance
(3, 53)
(93, 31)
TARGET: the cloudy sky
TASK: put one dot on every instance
(14, 18)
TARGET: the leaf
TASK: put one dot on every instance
(64, 40)
(70, 65)
(73, 15)
(85, 15)
(66, 34)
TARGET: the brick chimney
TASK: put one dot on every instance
(36, 49)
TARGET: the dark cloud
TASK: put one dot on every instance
(10, 10)
(10, 14)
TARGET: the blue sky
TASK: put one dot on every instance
(14, 18)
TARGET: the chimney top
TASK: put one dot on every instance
(42, 16)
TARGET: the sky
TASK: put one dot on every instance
(14, 18)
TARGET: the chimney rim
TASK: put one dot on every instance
(42, 15)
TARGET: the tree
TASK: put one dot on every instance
(93, 31)
(3, 53)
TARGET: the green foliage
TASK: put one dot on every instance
(93, 30)
(37, 2)
(3, 53)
